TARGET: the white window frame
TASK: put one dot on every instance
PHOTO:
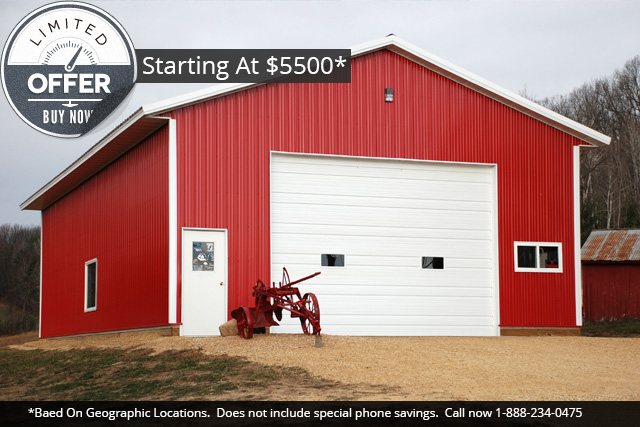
(86, 285)
(537, 268)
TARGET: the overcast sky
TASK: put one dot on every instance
(548, 47)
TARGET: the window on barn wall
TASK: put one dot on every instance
(90, 285)
(538, 257)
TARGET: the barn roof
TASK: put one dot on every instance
(612, 245)
(146, 119)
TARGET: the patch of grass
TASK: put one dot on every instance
(612, 328)
(18, 339)
(112, 374)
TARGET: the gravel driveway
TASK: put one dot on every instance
(430, 368)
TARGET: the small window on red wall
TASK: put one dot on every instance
(91, 285)
(538, 257)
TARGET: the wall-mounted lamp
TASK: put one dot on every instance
(388, 95)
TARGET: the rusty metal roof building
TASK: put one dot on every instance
(612, 245)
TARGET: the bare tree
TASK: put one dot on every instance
(610, 176)
(19, 277)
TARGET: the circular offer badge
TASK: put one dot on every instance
(66, 67)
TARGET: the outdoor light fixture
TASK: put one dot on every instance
(388, 95)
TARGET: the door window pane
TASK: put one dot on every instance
(202, 256)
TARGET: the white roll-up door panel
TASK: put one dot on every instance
(384, 216)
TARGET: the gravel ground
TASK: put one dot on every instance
(429, 368)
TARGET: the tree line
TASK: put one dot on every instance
(19, 278)
(609, 176)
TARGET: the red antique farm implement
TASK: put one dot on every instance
(274, 299)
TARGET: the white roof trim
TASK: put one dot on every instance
(392, 43)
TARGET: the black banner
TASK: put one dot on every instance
(68, 414)
(243, 65)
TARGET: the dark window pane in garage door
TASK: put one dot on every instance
(332, 260)
(433, 263)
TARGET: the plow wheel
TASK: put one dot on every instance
(311, 303)
(245, 323)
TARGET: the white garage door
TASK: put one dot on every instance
(416, 240)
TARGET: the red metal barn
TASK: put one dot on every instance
(611, 275)
(452, 210)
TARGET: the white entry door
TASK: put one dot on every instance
(204, 282)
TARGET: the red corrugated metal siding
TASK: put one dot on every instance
(223, 166)
(611, 291)
(119, 216)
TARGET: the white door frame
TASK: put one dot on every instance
(226, 272)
